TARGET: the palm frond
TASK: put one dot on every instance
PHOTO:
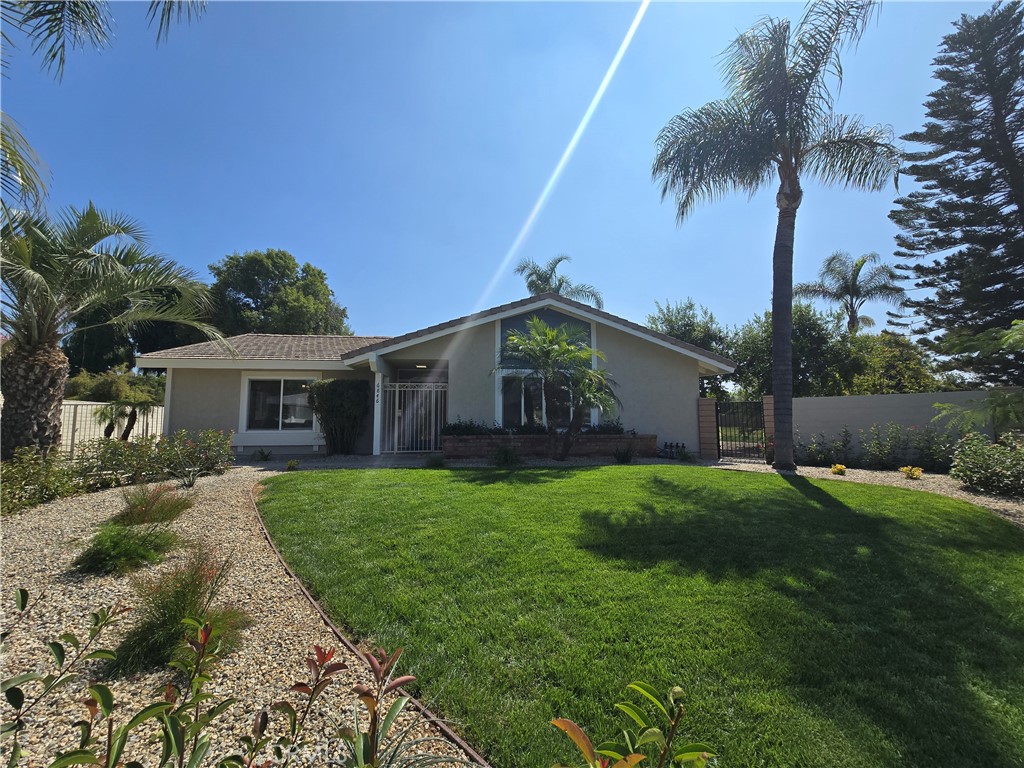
(169, 12)
(22, 169)
(703, 154)
(823, 33)
(851, 154)
(586, 293)
(54, 26)
(756, 71)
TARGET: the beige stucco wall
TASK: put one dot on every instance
(658, 387)
(471, 358)
(813, 415)
(204, 399)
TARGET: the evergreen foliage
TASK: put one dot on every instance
(340, 406)
(963, 230)
(696, 325)
(268, 292)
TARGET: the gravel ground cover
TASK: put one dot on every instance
(39, 546)
(1011, 509)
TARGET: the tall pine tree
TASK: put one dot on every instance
(963, 231)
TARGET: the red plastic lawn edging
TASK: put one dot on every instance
(427, 715)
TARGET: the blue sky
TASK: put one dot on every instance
(401, 146)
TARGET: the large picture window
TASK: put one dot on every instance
(276, 404)
(523, 403)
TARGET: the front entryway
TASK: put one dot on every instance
(413, 414)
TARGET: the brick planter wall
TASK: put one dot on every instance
(485, 446)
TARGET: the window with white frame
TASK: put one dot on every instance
(278, 404)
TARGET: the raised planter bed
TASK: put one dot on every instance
(485, 446)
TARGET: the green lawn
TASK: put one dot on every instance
(811, 623)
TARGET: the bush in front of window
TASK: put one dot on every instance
(341, 407)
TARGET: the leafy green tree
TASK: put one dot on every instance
(843, 281)
(51, 28)
(545, 279)
(695, 325)
(561, 360)
(821, 355)
(778, 123)
(887, 363)
(53, 273)
(268, 292)
(963, 231)
(98, 348)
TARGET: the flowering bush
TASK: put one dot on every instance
(838, 469)
(990, 467)
(912, 473)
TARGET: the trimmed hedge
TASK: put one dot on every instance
(341, 406)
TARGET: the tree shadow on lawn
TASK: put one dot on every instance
(516, 475)
(879, 632)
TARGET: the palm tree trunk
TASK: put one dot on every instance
(133, 416)
(33, 388)
(788, 201)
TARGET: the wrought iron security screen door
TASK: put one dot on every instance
(740, 429)
(413, 416)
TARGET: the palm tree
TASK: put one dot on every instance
(51, 28)
(778, 123)
(841, 282)
(53, 273)
(560, 358)
(547, 280)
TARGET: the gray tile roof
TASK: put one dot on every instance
(269, 346)
(454, 324)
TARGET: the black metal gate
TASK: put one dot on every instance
(740, 429)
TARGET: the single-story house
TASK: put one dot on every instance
(424, 379)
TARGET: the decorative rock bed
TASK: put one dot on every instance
(39, 546)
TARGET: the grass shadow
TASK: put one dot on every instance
(879, 620)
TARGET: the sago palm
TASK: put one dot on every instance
(843, 281)
(778, 125)
(545, 279)
(53, 273)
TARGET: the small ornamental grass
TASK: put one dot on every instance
(166, 602)
(120, 548)
(155, 504)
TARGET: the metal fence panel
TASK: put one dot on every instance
(80, 424)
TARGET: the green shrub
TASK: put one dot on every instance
(153, 504)
(612, 427)
(119, 549)
(187, 456)
(261, 454)
(884, 446)
(463, 428)
(108, 463)
(623, 454)
(29, 479)
(165, 602)
(990, 467)
(292, 465)
(341, 407)
(507, 456)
